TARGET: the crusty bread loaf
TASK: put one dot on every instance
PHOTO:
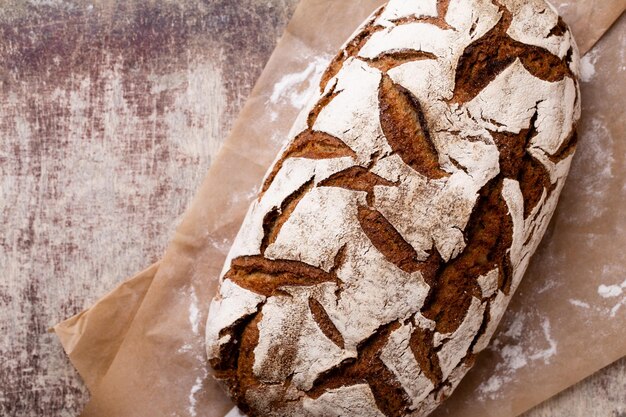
(394, 227)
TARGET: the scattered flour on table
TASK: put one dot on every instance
(194, 312)
(587, 66)
(579, 303)
(614, 291)
(492, 385)
(192, 397)
(606, 292)
(515, 329)
(252, 193)
(514, 354)
(185, 348)
(518, 345)
(611, 291)
(222, 245)
(245, 196)
(194, 350)
(549, 284)
(197, 386)
(616, 307)
(297, 88)
(551, 350)
(592, 173)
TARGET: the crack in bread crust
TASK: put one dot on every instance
(387, 240)
(433, 185)
(390, 397)
(404, 125)
(309, 144)
(266, 276)
(274, 220)
(484, 59)
(351, 48)
(389, 60)
(358, 179)
(439, 20)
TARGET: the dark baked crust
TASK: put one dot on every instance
(488, 234)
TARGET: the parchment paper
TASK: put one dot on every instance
(140, 349)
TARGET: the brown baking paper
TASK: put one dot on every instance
(92, 338)
(141, 350)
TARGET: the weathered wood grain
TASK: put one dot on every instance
(601, 395)
(110, 113)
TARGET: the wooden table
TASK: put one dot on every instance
(110, 114)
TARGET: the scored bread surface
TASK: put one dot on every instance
(395, 225)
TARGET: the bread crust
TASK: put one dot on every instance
(395, 225)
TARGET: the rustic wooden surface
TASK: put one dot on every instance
(110, 113)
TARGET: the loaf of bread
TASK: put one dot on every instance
(394, 227)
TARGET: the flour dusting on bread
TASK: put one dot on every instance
(398, 221)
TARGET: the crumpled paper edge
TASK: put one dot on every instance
(103, 325)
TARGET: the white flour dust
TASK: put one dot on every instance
(222, 245)
(246, 195)
(517, 347)
(587, 66)
(578, 303)
(198, 355)
(550, 351)
(194, 312)
(593, 173)
(194, 353)
(194, 321)
(614, 291)
(598, 305)
(549, 284)
(185, 348)
(514, 356)
(611, 291)
(514, 330)
(192, 397)
(297, 88)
